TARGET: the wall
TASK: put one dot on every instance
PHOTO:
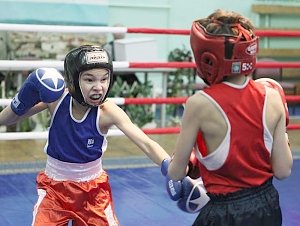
(76, 12)
(180, 14)
(176, 14)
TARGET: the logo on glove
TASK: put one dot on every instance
(171, 187)
(50, 78)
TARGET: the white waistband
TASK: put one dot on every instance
(79, 172)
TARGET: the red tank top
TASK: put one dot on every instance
(243, 158)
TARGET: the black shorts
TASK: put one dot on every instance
(257, 206)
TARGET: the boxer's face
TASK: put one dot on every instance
(94, 84)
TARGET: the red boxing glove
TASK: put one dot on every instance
(268, 82)
(194, 166)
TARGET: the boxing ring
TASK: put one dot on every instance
(138, 186)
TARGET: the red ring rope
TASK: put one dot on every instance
(181, 100)
(292, 98)
(167, 130)
(174, 130)
(260, 64)
(162, 65)
(158, 31)
(264, 64)
(261, 33)
(293, 127)
(278, 33)
(167, 100)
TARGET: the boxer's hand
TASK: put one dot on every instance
(42, 85)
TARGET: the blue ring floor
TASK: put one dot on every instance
(139, 196)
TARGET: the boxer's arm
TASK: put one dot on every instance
(8, 117)
(281, 155)
(191, 123)
(114, 115)
(174, 188)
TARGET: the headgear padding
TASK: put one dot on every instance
(220, 55)
(83, 58)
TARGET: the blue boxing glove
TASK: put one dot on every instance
(42, 85)
(174, 188)
(194, 195)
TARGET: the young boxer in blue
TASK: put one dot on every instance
(74, 186)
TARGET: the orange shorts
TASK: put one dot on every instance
(85, 203)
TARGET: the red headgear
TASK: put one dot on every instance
(220, 55)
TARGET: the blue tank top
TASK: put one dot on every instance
(75, 141)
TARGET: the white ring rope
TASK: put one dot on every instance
(61, 28)
(23, 65)
(43, 135)
(116, 100)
